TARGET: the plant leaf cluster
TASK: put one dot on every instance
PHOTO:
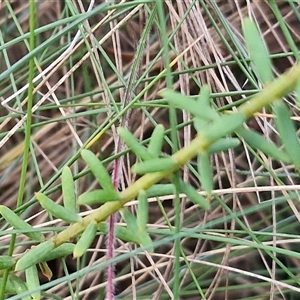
(216, 132)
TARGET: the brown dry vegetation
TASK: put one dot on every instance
(240, 179)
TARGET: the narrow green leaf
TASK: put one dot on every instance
(257, 141)
(223, 144)
(32, 281)
(68, 190)
(142, 211)
(34, 255)
(145, 241)
(98, 197)
(200, 125)
(204, 101)
(287, 132)
(122, 233)
(6, 262)
(15, 221)
(9, 287)
(85, 240)
(188, 104)
(158, 190)
(98, 169)
(206, 174)
(154, 165)
(224, 125)
(129, 219)
(156, 141)
(258, 51)
(127, 235)
(60, 251)
(297, 92)
(19, 286)
(57, 210)
(138, 149)
(194, 196)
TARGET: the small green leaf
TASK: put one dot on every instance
(223, 144)
(6, 262)
(32, 281)
(154, 165)
(257, 141)
(68, 190)
(200, 125)
(145, 241)
(60, 251)
(158, 190)
(57, 210)
(98, 197)
(34, 255)
(127, 235)
(258, 51)
(193, 195)
(188, 104)
(287, 132)
(224, 125)
(206, 175)
(142, 211)
(15, 221)
(139, 150)
(156, 141)
(122, 233)
(19, 286)
(98, 169)
(85, 240)
(297, 92)
(129, 219)
(9, 287)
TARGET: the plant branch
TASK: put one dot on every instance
(272, 92)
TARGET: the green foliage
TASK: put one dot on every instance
(287, 132)
(98, 197)
(214, 131)
(68, 190)
(15, 221)
(35, 255)
(85, 240)
(258, 51)
(32, 281)
(57, 210)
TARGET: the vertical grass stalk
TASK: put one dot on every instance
(27, 141)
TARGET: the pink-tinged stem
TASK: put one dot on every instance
(110, 289)
(116, 179)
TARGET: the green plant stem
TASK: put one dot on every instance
(21, 190)
(273, 91)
